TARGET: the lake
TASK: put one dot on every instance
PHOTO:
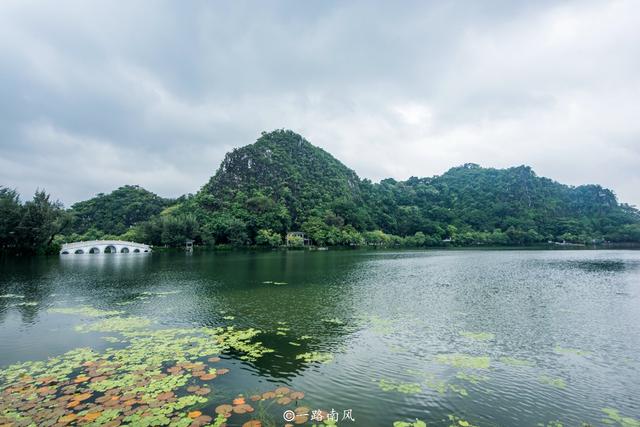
(449, 337)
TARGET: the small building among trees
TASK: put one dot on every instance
(298, 238)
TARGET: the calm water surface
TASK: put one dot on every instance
(399, 317)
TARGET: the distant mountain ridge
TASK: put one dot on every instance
(283, 183)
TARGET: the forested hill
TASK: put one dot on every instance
(116, 212)
(514, 206)
(282, 183)
(281, 178)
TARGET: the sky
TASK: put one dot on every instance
(98, 94)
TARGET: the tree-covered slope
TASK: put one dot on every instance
(115, 212)
(514, 201)
(283, 183)
(277, 183)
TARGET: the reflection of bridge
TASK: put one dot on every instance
(104, 247)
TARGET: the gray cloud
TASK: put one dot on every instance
(100, 94)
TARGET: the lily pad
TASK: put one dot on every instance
(462, 361)
(315, 357)
(553, 381)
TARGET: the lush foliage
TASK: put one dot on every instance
(31, 227)
(474, 205)
(282, 183)
(116, 212)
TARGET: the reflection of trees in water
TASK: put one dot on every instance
(41, 281)
(210, 286)
(591, 265)
(598, 265)
(318, 286)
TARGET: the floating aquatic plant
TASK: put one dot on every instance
(380, 326)
(112, 339)
(459, 422)
(315, 356)
(462, 361)
(613, 416)
(472, 378)
(555, 423)
(86, 311)
(416, 423)
(150, 381)
(553, 381)
(115, 324)
(438, 385)
(400, 387)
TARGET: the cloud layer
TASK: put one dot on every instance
(100, 94)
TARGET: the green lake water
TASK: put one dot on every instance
(465, 338)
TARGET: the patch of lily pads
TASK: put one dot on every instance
(464, 361)
(471, 378)
(400, 387)
(456, 421)
(85, 311)
(282, 330)
(614, 418)
(556, 382)
(161, 377)
(315, 357)
(416, 423)
(439, 385)
(380, 326)
(571, 351)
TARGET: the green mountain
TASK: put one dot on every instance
(525, 208)
(283, 183)
(115, 212)
(279, 183)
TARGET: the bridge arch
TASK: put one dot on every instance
(104, 247)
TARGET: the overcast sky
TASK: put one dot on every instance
(95, 95)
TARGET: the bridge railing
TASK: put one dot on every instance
(103, 242)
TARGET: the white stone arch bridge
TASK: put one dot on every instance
(104, 247)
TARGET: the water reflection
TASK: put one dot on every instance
(570, 318)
